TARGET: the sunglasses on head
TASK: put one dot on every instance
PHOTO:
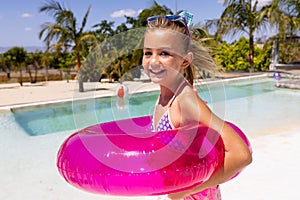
(172, 18)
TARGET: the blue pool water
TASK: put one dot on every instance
(255, 104)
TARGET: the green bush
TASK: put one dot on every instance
(233, 57)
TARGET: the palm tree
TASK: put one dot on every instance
(242, 16)
(45, 60)
(121, 49)
(64, 32)
(33, 59)
(141, 21)
(285, 16)
(293, 10)
(121, 28)
(282, 15)
(104, 30)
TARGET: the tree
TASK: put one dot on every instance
(292, 9)
(64, 32)
(120, 50)
(5, 64)
(141, 20)
(33, 60)
(45, 61)
(242, 16)
(283, 15)
(113, 56)
(121, 28)
(104, 30)
(16, 56)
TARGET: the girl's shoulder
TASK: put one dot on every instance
(188, 95)
(189, 105)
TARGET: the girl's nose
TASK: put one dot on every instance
(154, 60)
(154, 63)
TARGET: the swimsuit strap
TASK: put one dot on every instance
(176, 92)
(166, 116)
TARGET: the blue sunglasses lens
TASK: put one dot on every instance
(168, 17)
(150, 19)
(173, 17)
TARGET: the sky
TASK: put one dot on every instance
(21, 21)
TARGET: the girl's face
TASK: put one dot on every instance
(163, 58)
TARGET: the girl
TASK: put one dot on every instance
(169, 59)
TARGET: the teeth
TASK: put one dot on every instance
(157, 71)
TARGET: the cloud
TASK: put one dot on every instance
(140, 10)
(28, 29)
(122, 13)
(26, 15)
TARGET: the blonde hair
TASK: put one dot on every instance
(202, 60)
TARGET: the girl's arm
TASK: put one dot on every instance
(237, 154)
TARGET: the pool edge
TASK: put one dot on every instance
(62, 101)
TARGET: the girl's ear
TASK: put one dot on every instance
(187, 60)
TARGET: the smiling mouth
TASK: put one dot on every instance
(157, 72)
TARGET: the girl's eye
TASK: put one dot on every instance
(147, 53)
(165, 53)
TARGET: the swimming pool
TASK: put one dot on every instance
(29, 162)
(256, 105)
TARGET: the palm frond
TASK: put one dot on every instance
(85, 19)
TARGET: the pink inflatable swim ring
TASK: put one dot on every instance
(125, 158)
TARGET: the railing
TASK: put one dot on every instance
(287, 66)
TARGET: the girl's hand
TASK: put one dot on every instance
(174, 196)
(177, 196)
